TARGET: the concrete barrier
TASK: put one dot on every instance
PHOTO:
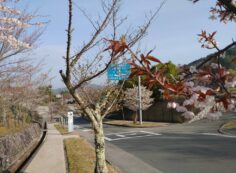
(15, 149)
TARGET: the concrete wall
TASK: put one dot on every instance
(13, 146)
(157, 112)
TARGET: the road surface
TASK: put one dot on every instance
(196, 147)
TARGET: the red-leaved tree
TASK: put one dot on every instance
(203, 89)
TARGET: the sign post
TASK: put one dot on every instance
(70, 122)
(122, 72)
(140, 101)
(118, 72)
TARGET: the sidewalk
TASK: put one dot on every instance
(50, 158)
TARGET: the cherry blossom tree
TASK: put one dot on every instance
(19, 31)
(19, 90)
(131, 99)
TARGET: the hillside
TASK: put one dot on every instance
(225, 61)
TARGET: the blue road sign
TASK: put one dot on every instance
(118, 71)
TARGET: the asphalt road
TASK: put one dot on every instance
(188, 148)
(181, 153)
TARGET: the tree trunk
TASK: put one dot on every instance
(100, 166)
(135, 117)
(5, 120)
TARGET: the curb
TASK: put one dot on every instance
(222, 131)
(128, 126)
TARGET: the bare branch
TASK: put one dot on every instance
(87, 16)
(68, 49)
(143, 29)
(94, 75)
(96, 34)
(115, 99)
(216, 54)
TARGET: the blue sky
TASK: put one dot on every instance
(173, 33)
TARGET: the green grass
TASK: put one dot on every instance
(61, 129)
(131, 124)
(81, 156)
(232, 90)
(231, 124)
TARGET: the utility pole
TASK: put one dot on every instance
(140, 101)
(50, 100)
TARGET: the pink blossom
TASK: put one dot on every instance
(181, 109)
(214, 116)
(188, 115)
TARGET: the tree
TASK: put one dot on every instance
(131, 99)
(47, 92)
(19, 31)
(170, 70)
(225, 10)
(20, 90)
(80, 71)
(204, 86)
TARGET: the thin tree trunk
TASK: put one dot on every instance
(100, 166)
(5, 122)
(123, 115)
(135, 117)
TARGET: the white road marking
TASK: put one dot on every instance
(152, 133)
(122, 136)
(218, 134)
(132, 134)
(87, 130)
(121, 133)
(108, 139)
(129, 135)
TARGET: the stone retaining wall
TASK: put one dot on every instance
(13, 146)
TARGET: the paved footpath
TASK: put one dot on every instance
(50, 158)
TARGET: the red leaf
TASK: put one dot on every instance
(152, 58)
(144, 60)
(116, 46)
(132, 74)
(166, 95)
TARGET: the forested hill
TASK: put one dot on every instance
(226, 60)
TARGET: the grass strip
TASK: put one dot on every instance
(81, 156)
(229, 125)
(61, 129)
